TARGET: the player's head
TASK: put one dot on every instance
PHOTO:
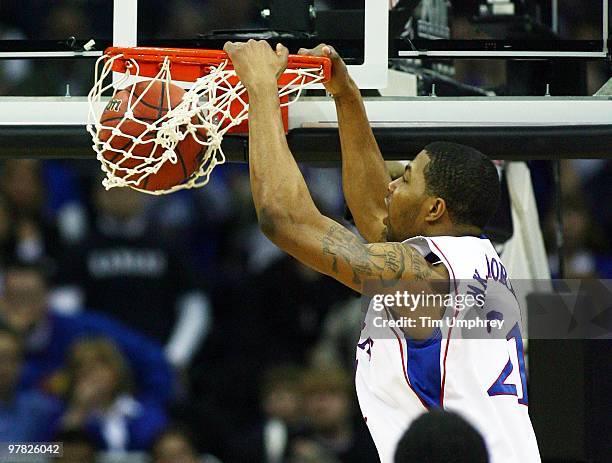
(447, 189)
(441, 436)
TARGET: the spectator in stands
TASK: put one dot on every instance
(48, 336)
(328, 401)
(292, 333)
(581, 238)
(35, 235)
(7, 234)
(439, 437)
(78, 446)
(304, 450)
(124, 269)
(174, 445)
(25, 416)
(101, 401)
(281, 404)
(340, 329)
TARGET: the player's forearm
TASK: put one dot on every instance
(280, 193)
(364, 174)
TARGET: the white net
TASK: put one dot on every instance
(213, 106)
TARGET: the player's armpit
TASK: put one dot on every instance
(371, 226)
(330, 248)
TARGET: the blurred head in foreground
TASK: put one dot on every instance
(440, 437)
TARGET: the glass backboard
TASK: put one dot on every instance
(500, 28)
(37, 32)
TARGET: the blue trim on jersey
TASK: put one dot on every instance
(423, 368)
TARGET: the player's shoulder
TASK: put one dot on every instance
(420, 262)
(443, 245)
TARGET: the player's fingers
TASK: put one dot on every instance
(282, 51)
(317, 51)
(331, 52)
(283, 55)
(229, 47)
(306, 52)
(262, 44)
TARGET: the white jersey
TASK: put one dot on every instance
(470, 372)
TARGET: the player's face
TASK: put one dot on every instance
(405, 201)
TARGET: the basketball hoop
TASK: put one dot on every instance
(136, 151)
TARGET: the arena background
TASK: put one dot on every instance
(219, 343)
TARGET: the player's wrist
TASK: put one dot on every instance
(264, 89)
(349, 91)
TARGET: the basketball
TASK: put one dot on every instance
(156, 101)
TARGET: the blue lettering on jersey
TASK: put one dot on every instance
(478, 290)
(366, 345)
(497, 272)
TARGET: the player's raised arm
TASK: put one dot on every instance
(285, 209)
(364, 174)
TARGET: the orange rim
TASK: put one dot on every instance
(190, 64)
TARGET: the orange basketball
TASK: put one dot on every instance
(152, 106)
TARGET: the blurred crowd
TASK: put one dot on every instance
(169, 327)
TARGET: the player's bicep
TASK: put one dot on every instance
(330, 248)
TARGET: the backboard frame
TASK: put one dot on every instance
(507, 127)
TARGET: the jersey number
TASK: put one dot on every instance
(500, 387)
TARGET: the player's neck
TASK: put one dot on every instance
(454, 230)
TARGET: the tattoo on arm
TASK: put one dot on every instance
(386, 262)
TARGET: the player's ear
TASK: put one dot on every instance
(436, 207)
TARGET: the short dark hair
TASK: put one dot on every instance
(441, 436)
(466, 179)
